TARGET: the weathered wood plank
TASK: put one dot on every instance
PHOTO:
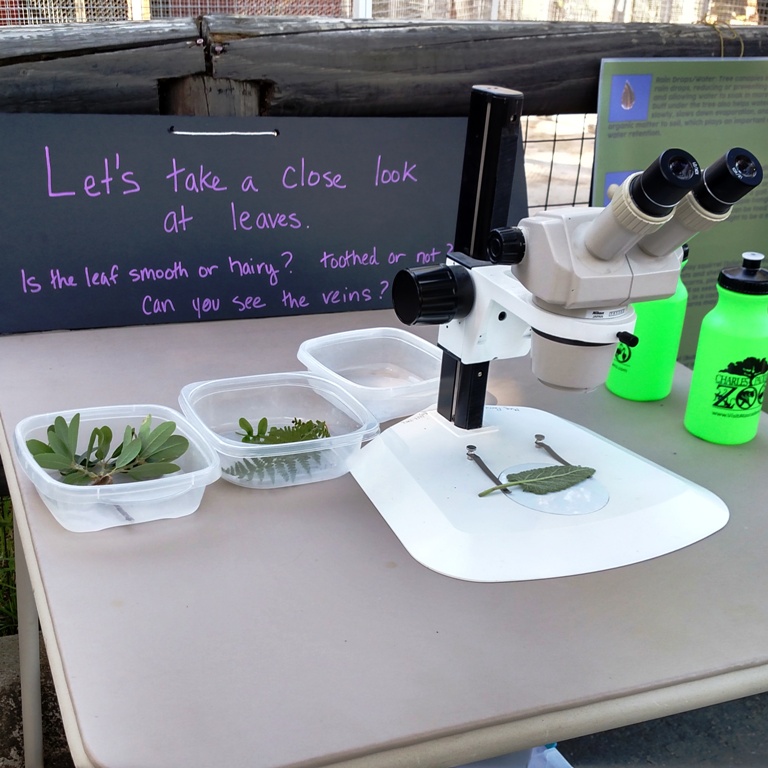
(108, 68)
(119, 82)
(344, 67)
(203, 95)
(313, 66)
(32, 43)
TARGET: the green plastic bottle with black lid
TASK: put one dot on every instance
(731, 364)
(645, 371)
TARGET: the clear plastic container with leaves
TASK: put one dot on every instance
(90, 480)
(264, 427)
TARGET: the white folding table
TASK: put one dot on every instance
(289, 627)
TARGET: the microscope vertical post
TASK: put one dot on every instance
(493, 130)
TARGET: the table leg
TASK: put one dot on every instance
(29, 662)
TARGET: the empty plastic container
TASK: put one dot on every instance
(391, 371)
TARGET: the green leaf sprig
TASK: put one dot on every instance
(543, 480)
(143, 454)
(295, 432)
(260, 468)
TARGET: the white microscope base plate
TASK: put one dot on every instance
(418, 476)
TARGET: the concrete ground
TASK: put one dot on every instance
(731, 735)
(11, 743)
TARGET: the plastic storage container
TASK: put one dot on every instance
(93, 508)
(390, 371)
(217, 406)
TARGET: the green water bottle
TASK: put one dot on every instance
(645, 371)
(731, 365)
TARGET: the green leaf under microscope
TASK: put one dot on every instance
(542, 480)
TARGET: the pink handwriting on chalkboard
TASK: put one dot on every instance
(346, 296)
(350, 258)
(93, 186)
(153, 274)
(101, 278)
(29, 283)
(195, 181)
(153, 306)
(58, 280)
(394, 175)
(301, 176)
(427, 257)
(249, 302)
(176, 221)
(206, 270)
(292, 302)
(205, 306)
(248, 185)
(263, 220)
(244, 268)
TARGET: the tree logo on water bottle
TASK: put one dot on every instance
(623, 353)
(740, 387)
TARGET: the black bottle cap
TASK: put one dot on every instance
(749, 278)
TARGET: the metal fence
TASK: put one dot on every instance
(659, 11)
(559, 152)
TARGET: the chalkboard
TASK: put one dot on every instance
(126, 220)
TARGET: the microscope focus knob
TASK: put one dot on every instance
(506, 245)
(432, 295)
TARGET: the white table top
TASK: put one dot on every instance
(290, 627)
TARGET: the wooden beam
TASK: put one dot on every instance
(234, 65)
(344, 67)
(112, 68)
(30, 43)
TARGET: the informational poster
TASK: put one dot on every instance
(704, 106)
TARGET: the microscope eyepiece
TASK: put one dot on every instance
(665, 182)
(727, 180)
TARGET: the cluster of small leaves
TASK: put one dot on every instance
(274, 467)
(295, 432)
(143, 454)
(543, 480)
